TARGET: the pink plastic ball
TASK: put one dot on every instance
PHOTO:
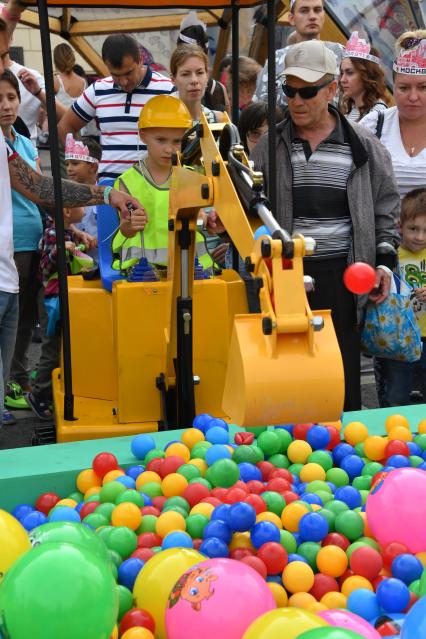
(349, 621)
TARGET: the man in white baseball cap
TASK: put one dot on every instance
(335, 183)
(307, 17)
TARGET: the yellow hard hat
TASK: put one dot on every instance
(165, 111)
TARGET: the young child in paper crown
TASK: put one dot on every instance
(78, 153)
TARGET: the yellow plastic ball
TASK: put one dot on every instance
(126, 514)
(201, 464)
(355, 433)
(400, 433)
(180, 450)
(292, 514)
(241, 540)
(316, 507)
(169, 521)
(374, 447)
(311, 472)
(396, 420)
(92, 491)
(174, 485)
(302, 600)
(317, 607)
(299, 451)
(268, 516)
(87, 479)
(284, 623)
(334, 600)
(337, 424)
(279, 594)
(332, 561)
(421, 556)
(72, 503)
(112, 475)
(202, 509)
(14, 541)
(114, 634)
(137, 632)
(147, 477)
(298, 577)
(354, 583)
(422, 427)
(192, 436)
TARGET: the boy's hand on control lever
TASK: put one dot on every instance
(137, 217)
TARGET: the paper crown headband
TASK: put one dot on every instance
(412, 60)
(357, 47)
(76, 150)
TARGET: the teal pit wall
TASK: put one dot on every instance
(26, 473)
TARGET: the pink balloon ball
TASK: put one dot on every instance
(396, 509)
(349, 621)
(217, 598)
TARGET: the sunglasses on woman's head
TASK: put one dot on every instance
(306, 93)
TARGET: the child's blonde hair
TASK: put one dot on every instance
(413, 205)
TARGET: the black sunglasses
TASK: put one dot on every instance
(306, 93)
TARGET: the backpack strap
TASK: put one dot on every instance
(380, 122)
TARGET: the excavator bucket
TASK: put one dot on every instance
(292, 385)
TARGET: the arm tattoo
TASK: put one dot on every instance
(39, 188)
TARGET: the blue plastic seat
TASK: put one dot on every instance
(108, 221)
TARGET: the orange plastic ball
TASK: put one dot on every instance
(174, 485)
(241, 540)
(299, 451)
(202, 509)
(292, 514)
(92, 491)
(114, 634)
(87, 479)
(311, 472)
(146, 477)
(332, 561)
(180, 450)
(168, 522)
(268, 516)
(298, 577)
(400, 433)
(137, 632)
(354, 583)
(301, 600)
(126, 514)
(355, 433)
(374, 447)
(192, 436)
(421, 428)
(334, 600)
(200, 464)
(396, 420)
(67, 502)
(112, 474)
(279, 594)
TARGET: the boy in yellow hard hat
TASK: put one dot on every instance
(162, 124)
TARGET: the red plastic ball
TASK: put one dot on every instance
(392, 550)
(266, 468)
(150, 510)
(274, 556)
(103, 463)
(322, 585)
(334, 437)
(143, 553)
(366, 562)
(283, 473)
(257, 502)
(242, 485)
(197, 543)
(244, 439)
(257, 564)
(290, 496)
(159, 501)
(359, 278)
(239, 553)
(194, 493)
(256, 487)
(214, 501)
(171, 465)
(336, 539)
(413, 599)
(278, 485)
(300, 431)
(137, 617)
(88, 508)
(396, 447)
(46, 502)
(388, 629)
(376, 583)
(235, 495)
(348, 573)
(156, 465)
(149, 540)
(219, 493)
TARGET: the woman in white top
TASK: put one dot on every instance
(404, 126)
(362, 80)
(68, 85)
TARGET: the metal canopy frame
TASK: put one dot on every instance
(47, 24)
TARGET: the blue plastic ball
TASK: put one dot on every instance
(217, 423)
(216, 452)
(141, 445)
(219, 529)
(313, 527)
(135, 471)
(415, 622)
(363, 602)
(177, 539)
(249, 472)
(241, 517)
(214, 547)
(349, 495)
(311, 498)
(21, 511)
(200, 421)
(173, 441)
(332, 487)
(398, 461)
(352, 465)
(128, 570)
(217, 435)
(262, 230)
(407, 568)
(64, 513)
(393, 595)
(277, 579)
(264, 531)
(34, 519)
(127, 481)
(414, 449)
(294, 556)
(220, 512)
(342, 450)
(147, 501)
(318, 437)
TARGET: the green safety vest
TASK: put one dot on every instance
(153, 242)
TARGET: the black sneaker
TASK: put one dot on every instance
(40, 407)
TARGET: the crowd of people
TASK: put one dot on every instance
(351, 173)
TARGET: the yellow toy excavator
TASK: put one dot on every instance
(150, 355)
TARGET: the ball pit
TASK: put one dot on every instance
(303, 531)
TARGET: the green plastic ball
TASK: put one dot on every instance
(224, 473)
(350, 524)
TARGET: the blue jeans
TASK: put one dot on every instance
(9, 313)
(395, 379)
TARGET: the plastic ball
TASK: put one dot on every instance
(33, 520)
(241, 517)
(46, 502)
(137, 632)
(299, 451)
(87, 479)
(274, 556)
(103, 463)
(14, 541)
(301, 600)
(318, 437)
(355, 583)
(292, 514)
(334, 600)
(126, 514)
(346, 625)
(264, 532)
(350, 524)
(284, 622)
(279, 594)
(349, 495)
(180, 450)
(363, 603)
(141, 445)
(366, 562)
(352, 465)
(298, 577)
(396, 420)
(214, 548)
(359, 278)
(192, 436)
(224, 473)
(64, 513)
(128, 571)
(218, 528)
(137, 618)
(311, 472)
(313, 527)
(374, 447)
(217, 452)
(217, 435)
(177, 539)
(415, 622)
(393, 595)
(355, 433)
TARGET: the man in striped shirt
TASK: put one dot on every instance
(116, 103)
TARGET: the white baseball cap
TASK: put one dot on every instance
(310, 61)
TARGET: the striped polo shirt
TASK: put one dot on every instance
(117, 113)
(320, 202)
